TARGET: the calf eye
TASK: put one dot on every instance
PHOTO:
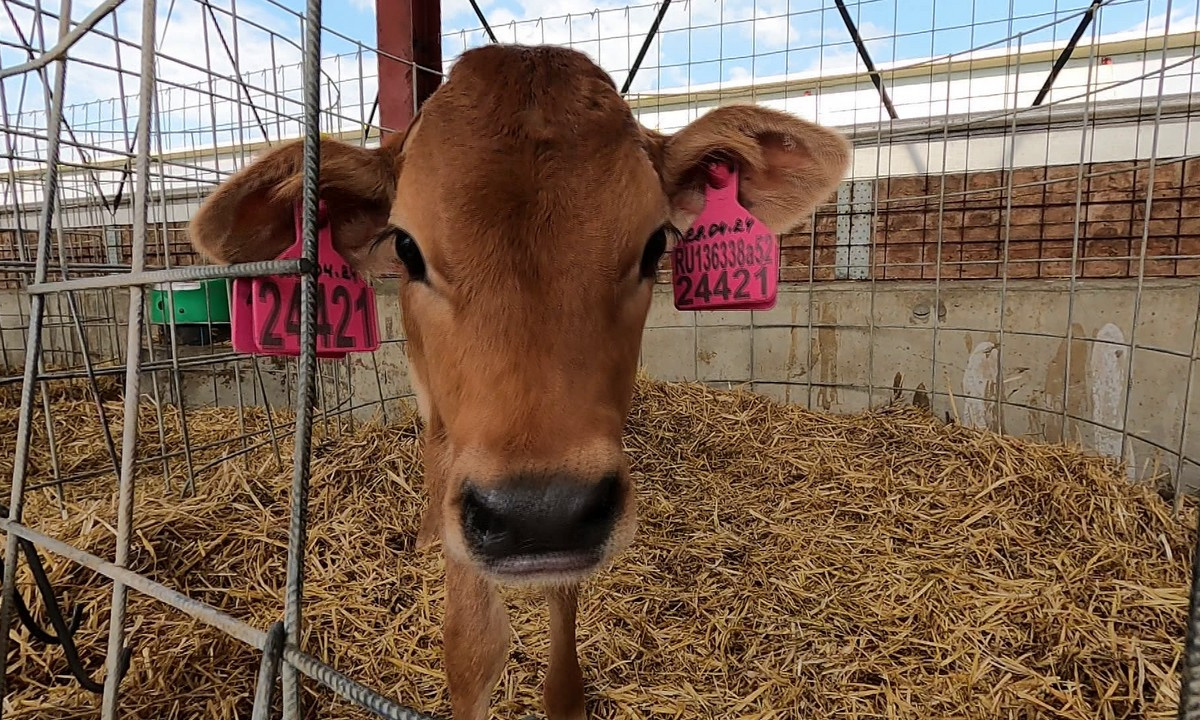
(409, 254)
(655, 247)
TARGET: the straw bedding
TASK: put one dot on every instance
(789, 564)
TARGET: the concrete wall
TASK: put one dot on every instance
(842, 346)
(95, 311)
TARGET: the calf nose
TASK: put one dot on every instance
(563, 517)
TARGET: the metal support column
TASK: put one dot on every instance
(637, 63)
(866, 58)
(1065, 55)
(409, 34)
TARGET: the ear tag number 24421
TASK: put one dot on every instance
(727, 260)
(266, 310)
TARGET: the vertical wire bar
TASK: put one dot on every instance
(33, 346)
(13, 190)
(963, 241)
(1080, 177)
(156, 390)
(84, 347)
(872, 276)
(1010, 160)
(61, 340)
(695, 112)
(691, 116)
(216, 144)
(1189, 689)
(176, 372)
(275, 94)
(236, 59)
(1149, 205)
(935, 314)
(1181, 459)
(52, 444)
(812, 243)
(51, 440)
(749, 380)
(306, 370)
(133, 361)
(379, 384)
(262, 387)
(267, 672)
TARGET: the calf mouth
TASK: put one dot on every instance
(545, 568)
(549, 563)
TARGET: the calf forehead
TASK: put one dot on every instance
(490, 83)
(525, 115)
(527, 156)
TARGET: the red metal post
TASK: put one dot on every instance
(407, 30)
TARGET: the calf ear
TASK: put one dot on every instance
(250, 216)
(787, 166)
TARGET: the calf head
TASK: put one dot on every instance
(525, 211)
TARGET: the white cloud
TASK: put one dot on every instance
(739, 74)
(695, 39)
(1182, 20)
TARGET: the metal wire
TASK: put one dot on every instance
(306, 372)
(986, 183)
(209, 615)
(1189, 691)
(33, 345)
(268, 670)
(67, 40)
(133, 374)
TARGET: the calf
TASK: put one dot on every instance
(525, 211)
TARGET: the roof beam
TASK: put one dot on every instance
(409, 42)
(1066, 53)
(866, 58)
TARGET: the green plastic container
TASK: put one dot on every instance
(195, 302)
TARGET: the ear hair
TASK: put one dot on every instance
(250, 216)
(787, 166)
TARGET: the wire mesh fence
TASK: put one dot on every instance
(1016, 244)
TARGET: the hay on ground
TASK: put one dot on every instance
(789, 564)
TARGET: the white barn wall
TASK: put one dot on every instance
(941, 108)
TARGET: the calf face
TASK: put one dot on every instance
(525, 211)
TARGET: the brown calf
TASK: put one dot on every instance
(525, 211)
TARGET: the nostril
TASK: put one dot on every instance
(479, 518)
(604, 501)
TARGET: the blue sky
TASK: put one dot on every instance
(771, 37)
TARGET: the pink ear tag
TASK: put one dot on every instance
(266, 310)
(728, 259)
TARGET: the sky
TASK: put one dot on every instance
(757, 38)
(700, 42)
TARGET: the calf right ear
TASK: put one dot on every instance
(251, 216)
(788, 165)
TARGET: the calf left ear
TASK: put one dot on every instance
(250, 216)
(787, 166)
